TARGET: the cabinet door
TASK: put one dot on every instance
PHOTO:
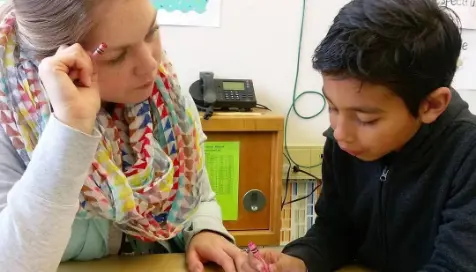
(255, 173)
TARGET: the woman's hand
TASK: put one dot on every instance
(276, 261)
(75, 106)
(211, 247)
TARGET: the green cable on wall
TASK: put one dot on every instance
(296, 97)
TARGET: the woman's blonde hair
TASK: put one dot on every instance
(44, 25)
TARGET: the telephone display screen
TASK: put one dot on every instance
(233, 86)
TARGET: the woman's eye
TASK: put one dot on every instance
(152, 33)
(118, 59)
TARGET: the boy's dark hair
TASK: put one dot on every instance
(409, 46)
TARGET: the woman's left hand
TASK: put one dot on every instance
(211, 247)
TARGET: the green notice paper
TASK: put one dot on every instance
(223, 166)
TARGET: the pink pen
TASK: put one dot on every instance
(254, 250)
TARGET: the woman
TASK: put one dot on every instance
(115, 130)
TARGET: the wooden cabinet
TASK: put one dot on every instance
(260, 136)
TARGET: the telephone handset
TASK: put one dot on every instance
(212, 93)
(209, 94)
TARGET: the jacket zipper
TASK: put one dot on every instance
(383, 214)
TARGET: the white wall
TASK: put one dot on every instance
(258, 39)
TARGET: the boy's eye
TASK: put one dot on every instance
(368, 123)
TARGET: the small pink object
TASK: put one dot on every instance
(100, 50)
(255, 251)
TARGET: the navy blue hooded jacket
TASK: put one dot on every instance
(413, 210)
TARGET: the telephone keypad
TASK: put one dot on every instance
(238, 95)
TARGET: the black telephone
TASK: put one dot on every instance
(225, 94)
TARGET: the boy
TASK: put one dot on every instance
(399, 171)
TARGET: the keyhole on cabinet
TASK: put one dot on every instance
(254, 200)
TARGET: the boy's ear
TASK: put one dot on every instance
(434, 105)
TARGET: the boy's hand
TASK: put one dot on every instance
(277, 262)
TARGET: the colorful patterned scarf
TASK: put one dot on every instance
(144, 176)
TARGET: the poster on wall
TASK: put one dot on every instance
(188, 12)
(466, 10)
(464, 77)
